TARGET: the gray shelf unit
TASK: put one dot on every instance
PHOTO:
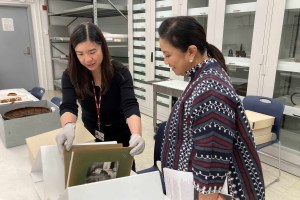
(59, 46)
(103, 10)
(94, 10)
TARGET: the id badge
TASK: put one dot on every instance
(99, 135)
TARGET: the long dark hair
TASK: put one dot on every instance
(183, 31)
(80, 76)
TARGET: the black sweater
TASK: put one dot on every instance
(117, 104)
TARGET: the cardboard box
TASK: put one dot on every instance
(13, 132)
(145, 186)
(262, 131)
(48, 177)
(259, 120)
(263, 138)
(82, 135)
(261, 126)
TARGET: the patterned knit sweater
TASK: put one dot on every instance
(208, 134)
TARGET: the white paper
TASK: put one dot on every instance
(48, 173)
(179, 185)
(8, 24)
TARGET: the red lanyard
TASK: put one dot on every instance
(98, 104)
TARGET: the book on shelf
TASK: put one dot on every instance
(87, 163)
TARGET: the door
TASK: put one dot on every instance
(17, 67)
(160, 10)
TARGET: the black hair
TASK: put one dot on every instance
(183, 31)
(81, 77)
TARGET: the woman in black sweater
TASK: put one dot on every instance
(104, 90)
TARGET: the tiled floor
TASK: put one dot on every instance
(16, 184)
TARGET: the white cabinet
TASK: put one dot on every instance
(139, 56)
(260, 40)
(265, 36)
(234, 27)
(65, 15)
(145, 58)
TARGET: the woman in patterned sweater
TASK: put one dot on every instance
(207, 132)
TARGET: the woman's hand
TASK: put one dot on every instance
(138, 143)
(66, 137)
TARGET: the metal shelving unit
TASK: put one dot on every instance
(95, 10)
(103, 10)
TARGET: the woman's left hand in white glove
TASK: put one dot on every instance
(138, 143)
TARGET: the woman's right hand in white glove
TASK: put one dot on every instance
(66, 137)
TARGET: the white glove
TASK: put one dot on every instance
(66, 137)
(138, 144)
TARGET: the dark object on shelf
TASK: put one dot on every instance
(241, 52)
(297, 59)
(230, 53)
(294, 95)
(24, 112)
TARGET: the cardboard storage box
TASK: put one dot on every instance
(47, 174)
(259, 120)
(261, 126)
(13, 132)
(260, 139)
(261, 131)
(145, 186)
(82, 135)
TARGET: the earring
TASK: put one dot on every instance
(191, 60)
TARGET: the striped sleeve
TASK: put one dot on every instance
(212, 118)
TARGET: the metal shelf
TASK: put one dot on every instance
(116, 42)
(103, 10)
(60, 39)
(110, 38)
(61, 60)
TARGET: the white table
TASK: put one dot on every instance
(21, 92)
(169, 87)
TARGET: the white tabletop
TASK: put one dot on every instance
(172, 84)
(20, 92)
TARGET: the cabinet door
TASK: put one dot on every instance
(210, 14)
(138, 58)
(199, 10)
(243, 29)
(160, 10)
(285, 84)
